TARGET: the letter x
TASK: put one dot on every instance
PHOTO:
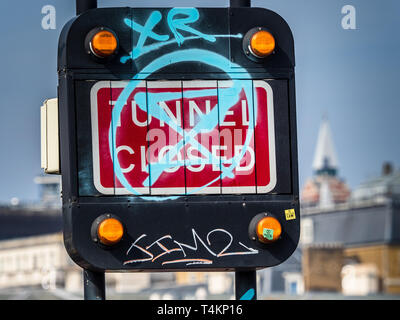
(146, 31)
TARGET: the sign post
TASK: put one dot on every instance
(245, 281)
(178, 141)
(93, 282)
(246, 285)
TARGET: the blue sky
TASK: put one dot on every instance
(350, 75)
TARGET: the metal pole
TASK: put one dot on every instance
(85, 5)
(94, 287)
(246, 285)
(240, 3)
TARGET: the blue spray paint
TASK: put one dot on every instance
(175, 24)
(248, 295)
(155, 46)
(192, 15)
(207, 121)
(178, 20)
(146, 31)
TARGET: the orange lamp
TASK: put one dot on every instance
(268, 229)
(103, 44)
(110, 231)
(262, 44)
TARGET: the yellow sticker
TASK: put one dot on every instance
(290, 214)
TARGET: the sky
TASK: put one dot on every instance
(348, 75)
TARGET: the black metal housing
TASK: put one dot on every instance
(188, 220)
(240, 3)
(84, 5)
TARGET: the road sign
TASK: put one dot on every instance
(183, 138)
(178, 139)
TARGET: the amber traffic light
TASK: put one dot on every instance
(262, 44)
(107, 230)
(268, 229)
(103, 43)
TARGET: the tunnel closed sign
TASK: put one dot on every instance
(183, 137)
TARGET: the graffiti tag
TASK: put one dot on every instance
(176, 26)
(165, 246)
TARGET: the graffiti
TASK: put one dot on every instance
(174, 23)
(248, 295)
(211, 152)
(206, 123)
(184, 127)
(182, 253)
(167, 163)
(192, 15)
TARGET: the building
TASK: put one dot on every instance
(322, 191)
(42, 263)
(365, 224)
(34, 263)
(322, 267)
(350, 244)
(369, 231)
(285, 278)
(32, 253)
(25, 221)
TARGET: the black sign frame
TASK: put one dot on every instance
(200, 217)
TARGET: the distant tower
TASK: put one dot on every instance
(325, 160)
(324, 189)
(50, 190)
